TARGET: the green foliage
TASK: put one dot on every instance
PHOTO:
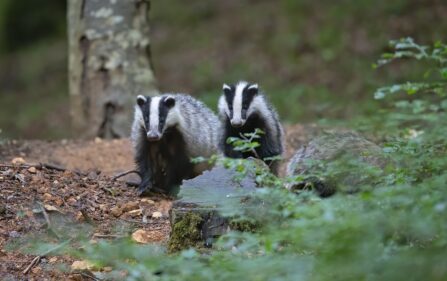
(396, 231)
(407, 48)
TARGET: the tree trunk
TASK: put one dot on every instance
(109, 64)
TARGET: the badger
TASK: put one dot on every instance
(242, 109)
(167, 132)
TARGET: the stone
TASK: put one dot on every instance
(336, 161)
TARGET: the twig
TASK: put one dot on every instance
(33, 263)
(37, 259)
(125, 174)
(47, 219)
(86, 217)
(97, 235)
(38, 166)
(132, 183)
(250, 140)
(45, 215)
(88, 275)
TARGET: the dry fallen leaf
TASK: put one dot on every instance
(52, 260)
(71, 201)
(141, 236)
(18, 160)
(146, 200)
(36, 270)
(135, 213)
(129, 206)
(32, 170)
(116, 211)
(157, 215)
(82, 265)
(47, 197)
(50, 208)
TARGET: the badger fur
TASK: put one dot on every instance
(168, 131)
(242, 109)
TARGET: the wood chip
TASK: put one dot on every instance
(116, 211)
(141, 236)
(157, 215)
(147, 200)
(51, 208)
(129, 206)
(82, 265)
(32, 170)
(135, 213)
(18, 161)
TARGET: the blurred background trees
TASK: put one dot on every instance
(313, 55)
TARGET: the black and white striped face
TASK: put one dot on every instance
(237, 102)
(154, 114)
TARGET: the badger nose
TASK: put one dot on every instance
(153, 136)
(237, 123)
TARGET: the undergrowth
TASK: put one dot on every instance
(394, 231)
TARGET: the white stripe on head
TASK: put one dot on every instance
(254, 86)
(154, 114)
(142, 98)
(237, 101)
(226, 87)
(138, 116)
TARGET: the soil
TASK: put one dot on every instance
(48, 203)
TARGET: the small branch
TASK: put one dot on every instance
(33, 263)
(47, 219)
(86, 217)
(250, 140)
(45, 215)
(125, 174)
(97, 235)
(37, 166)
(88, 275)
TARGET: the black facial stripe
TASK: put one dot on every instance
(229, 97)
(163, 111)
(247, 98)
(146, 111)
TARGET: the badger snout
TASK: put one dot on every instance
(153, 136)
(237, 123)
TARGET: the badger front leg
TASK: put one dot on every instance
(143, 162)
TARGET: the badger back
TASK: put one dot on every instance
(199, 126)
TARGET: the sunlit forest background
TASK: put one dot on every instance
(313, 58)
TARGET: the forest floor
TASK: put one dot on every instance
(45, 202)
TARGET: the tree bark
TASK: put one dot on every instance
(109, 64)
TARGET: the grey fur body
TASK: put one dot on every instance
(177, 128)
(242, 109)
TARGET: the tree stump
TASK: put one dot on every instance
(196, 219)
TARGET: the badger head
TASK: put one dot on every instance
(237, 102)
(154, 114)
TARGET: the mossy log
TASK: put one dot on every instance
(196, 219)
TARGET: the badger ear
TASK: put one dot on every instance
(141, 100)
(169, 101)
(226, 88)
(253, 89)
